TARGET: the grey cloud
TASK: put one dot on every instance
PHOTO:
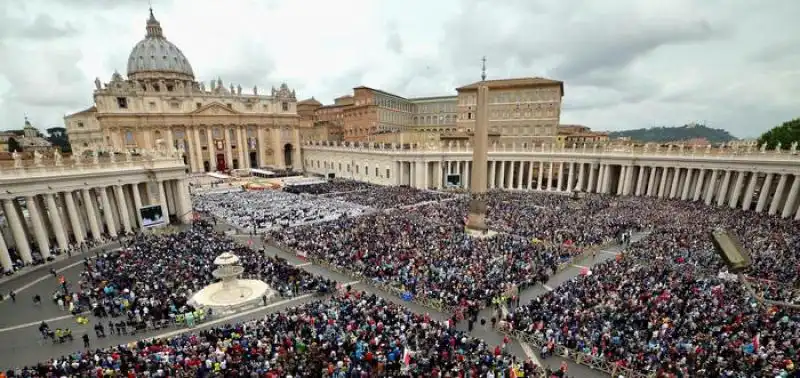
(393, 41)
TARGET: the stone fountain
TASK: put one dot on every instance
(231, 294)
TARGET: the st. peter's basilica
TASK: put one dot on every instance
(160, 104)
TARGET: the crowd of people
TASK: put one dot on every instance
(266, 210)
(330, 187)
(350, 335)
(668, 306)
(387, 197)
(154, 277)
(426, 259)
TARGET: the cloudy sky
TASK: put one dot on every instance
(734, 64)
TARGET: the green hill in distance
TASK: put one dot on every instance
(673, 134)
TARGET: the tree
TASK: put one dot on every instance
(13, 145)
(57, 136)
(785, 134)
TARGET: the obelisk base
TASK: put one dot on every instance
(476, 219)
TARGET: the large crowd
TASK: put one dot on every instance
(387, 197)
(268, 210)
(154, 277)
(352, 335)
(669, 306)
(330, 187)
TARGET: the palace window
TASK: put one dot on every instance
(152, 105)
(174, 105)
(129, 140)
(285, 106)
(388, 175)
(122, 102)
(198, 105)
(230, 106)
(80, 124)
(376, 172)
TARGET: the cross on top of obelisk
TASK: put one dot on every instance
(483, 68)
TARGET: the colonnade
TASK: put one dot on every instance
(58, 220)
(748, 189)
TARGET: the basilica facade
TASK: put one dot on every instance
(160, 105)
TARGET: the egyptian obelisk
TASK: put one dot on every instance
(476, 220)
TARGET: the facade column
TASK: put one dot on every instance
(107, 215)
(640, 180)
(748, 194)
(228, 147)
(764, 194)
(581, 176)
(723, 190)
(277, 149)
(297, 153)
(184, 201)
(38, 226)
(467, 174)
(170, 139)
(492, 176)
(91, 214)
(687, 184)
(262, 146)
(74, 218)
(5, 257)
(122, 206)
(240, 148)
(212, 150)
(549, 176)
(56, 223)
(197, 149)
(776, 198)
(737, 190)
(791, 199)
(540, 184)
(137, 202)
(162, 199)
(698, 188)
(20, 239)
(571, 177)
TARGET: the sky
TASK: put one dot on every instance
(626, 64)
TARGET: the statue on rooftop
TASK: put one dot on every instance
(17, 159)
(37, 158)
(57, 157)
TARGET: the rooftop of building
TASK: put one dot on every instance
(513, 83)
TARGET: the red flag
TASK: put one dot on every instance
(756, 342)
(406, 357)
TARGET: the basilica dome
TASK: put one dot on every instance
(155, 57)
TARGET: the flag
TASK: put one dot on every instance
(757, 341)
(406, 357)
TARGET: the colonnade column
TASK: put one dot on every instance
(5, 257)
(601, 178)
(550, 176)
(776, 199)
(687, 184)
(38, 227)
(20, 238)
(74, 218)
(88, 203)
(581, 175)
(712, 184)
(501, 179)
(751, 188)
(676, 174)
(764, 194)
(791, 199)
(122, 206)
(107, 215)
(55, 221)
(639, 181)
(530, 174)
(621, 181)
(540, 183)
(592, 187)
(560, 180)
(651, 181)
(737, 190)
(570, 177)
(723, 190)
(698, 188)
(520, 184)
